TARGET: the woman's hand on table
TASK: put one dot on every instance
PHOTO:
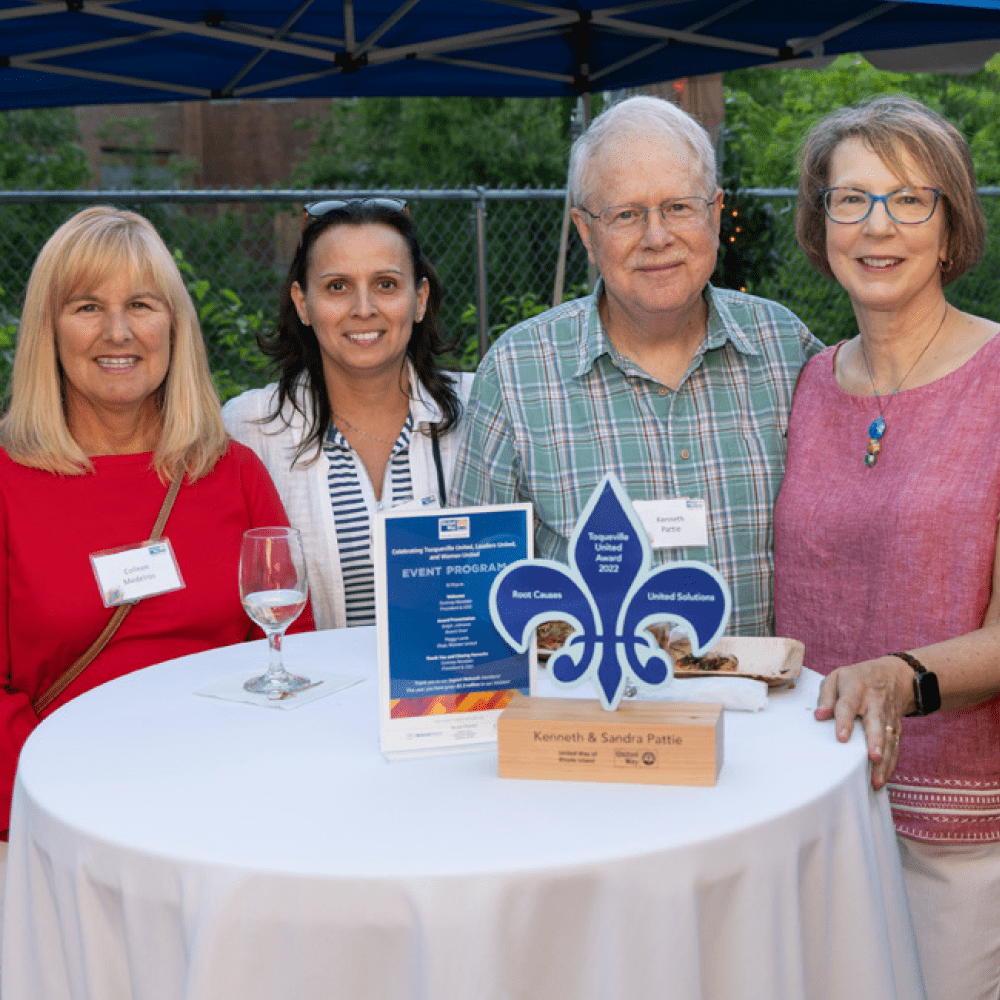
(878, 693)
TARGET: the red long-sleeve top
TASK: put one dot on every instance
(50, 606)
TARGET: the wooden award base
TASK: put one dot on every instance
(663, 743)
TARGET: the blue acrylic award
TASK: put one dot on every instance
(609, 593)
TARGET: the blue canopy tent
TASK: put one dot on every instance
(72, 52)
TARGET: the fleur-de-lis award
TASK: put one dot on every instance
(609, 593)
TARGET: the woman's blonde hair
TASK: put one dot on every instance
(83, 252)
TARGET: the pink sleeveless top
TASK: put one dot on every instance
(869, 561)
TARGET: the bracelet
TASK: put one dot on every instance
(926, 694)
(918, 667)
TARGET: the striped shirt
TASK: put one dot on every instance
(555, 407)
(353, 500)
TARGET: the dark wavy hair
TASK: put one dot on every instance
(293, 348)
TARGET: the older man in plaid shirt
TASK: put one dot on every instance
(680, 389)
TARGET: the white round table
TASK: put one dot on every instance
(169, 845)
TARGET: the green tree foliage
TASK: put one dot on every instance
(747, 257)
(40, 151)
(8, 339)
(437, 142)
(770, 111)
(230, 330)
(513, 309)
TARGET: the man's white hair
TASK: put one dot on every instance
(640, 116)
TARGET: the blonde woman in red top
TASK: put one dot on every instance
(111, 401)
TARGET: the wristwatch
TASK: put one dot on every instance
(926, 692)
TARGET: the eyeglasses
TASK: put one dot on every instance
(675, 213)
(908, 206)
(318, 209)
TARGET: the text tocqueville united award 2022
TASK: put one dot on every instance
(610, 593)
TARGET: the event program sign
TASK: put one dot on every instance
(445, 673)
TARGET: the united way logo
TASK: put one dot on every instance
(453, 528)
(609, 594)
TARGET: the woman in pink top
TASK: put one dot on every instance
(886, 556)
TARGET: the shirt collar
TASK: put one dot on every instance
(423, 410)
(721, 327)
(595, 340)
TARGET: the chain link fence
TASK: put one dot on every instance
(497, 252)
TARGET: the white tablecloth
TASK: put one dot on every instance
(167, 845)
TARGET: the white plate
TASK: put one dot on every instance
(774, 660)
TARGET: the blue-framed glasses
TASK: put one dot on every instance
(908, 206)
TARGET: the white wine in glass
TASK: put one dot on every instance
(274, 590)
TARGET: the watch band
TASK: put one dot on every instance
(926, 693)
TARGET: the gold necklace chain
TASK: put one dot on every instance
(364, 434)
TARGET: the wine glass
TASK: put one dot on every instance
(274, 590)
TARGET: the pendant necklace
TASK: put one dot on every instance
(878, 425)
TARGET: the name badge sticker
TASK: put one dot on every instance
(675, 523)
(131, 573)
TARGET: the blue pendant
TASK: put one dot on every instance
(877, 428)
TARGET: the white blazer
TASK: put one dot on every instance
(304, 488)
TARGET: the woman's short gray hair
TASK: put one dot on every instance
(893, 127)
(646, 116)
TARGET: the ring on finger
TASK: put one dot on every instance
(892, 732)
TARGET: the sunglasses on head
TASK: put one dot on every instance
(318, 209)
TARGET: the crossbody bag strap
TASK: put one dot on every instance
(73, 671)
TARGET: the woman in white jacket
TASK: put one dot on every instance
(362, 417)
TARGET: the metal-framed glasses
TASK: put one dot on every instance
(317, 209)
(908, 206)
(675, 213)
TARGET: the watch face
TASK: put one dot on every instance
(928, 693)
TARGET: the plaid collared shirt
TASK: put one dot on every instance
(555, 406)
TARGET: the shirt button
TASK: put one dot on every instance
(685, 453)
(663, 390)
